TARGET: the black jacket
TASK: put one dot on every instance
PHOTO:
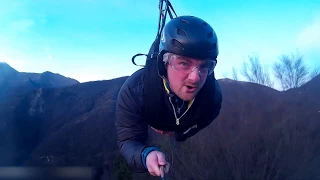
(132, 127)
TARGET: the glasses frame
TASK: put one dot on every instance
(173, 57)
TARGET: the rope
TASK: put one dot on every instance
(164, 10)
(163, 14)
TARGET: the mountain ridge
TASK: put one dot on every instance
(15, 83)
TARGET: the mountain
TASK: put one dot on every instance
(69, 126)
(305, 100)
(261, 133)
(6, 70)
(14, 83)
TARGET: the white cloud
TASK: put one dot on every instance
(22, 24)
(9, 56)
(48, 52)
(9, 8)
(85, 72)
(23, 61)
(14, 62)
(309, 37)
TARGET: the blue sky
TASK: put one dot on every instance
(95, 39)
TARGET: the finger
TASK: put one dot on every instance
(154, 168)
(162, 159)
(167, 167)
(153, 163)
(156, 171)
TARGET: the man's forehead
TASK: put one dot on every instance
(190, 59)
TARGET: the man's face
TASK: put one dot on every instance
(184, 82)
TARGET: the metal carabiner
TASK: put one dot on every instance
(162, 172)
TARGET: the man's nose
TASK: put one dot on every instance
(194, 75)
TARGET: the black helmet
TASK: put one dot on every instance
(188, 36)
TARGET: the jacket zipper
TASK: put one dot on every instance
(175, 115)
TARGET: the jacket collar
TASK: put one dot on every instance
(169, 92)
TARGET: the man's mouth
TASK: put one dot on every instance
(191, 88)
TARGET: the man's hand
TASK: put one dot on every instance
(154, 160)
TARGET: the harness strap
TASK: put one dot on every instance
(163, 11)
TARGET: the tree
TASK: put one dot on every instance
(255, 72)
(291, 71)
(225, 75)
(235, 74)
(315, 73)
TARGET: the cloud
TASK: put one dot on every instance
(48, 52)
(309, 37)
(8, 55)
(25, 61)
(10, 8)
(15, 62)
(22, 24)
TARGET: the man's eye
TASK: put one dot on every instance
(183, 63)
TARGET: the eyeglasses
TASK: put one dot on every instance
(185, 65)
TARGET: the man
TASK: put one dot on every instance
(176, 95)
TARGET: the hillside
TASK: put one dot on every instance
(49, 113)
(261, 133)
(14, 83)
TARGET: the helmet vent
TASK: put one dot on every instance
(176, 44)
(204, 24)
(210, 35)
(181, 32)
(184, 21)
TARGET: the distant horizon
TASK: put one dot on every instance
(276, 87)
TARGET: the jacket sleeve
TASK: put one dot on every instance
(194, 130)
(132, 131)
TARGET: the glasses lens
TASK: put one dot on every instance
(185, 65)
(181, 64)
